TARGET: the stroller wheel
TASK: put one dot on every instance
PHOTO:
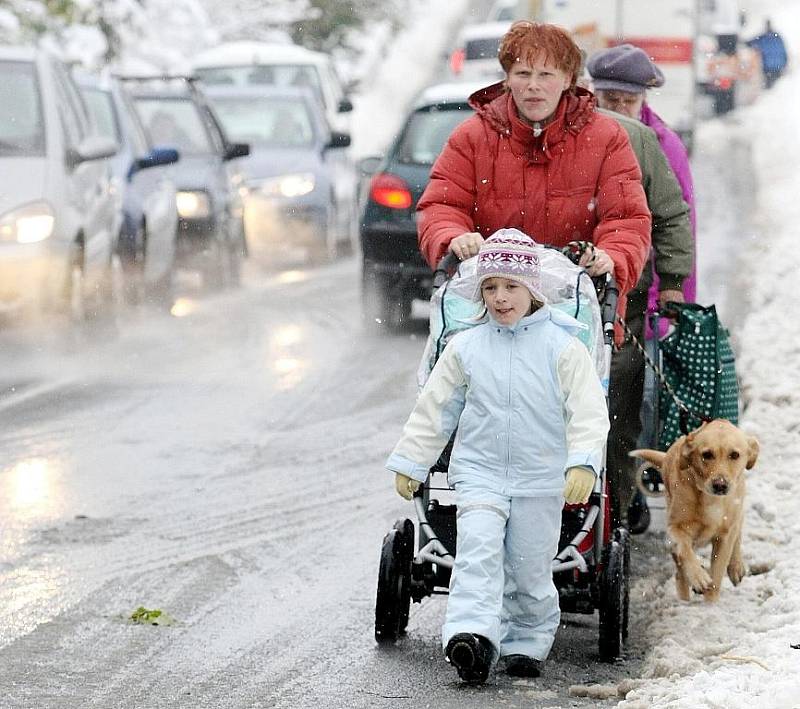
(614, 595)
(394, 582)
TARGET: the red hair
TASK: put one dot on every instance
(526, 41)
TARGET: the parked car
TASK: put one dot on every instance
(290, 174)
(394, 272)
(475, 55)
(58, 215)
(177, 114)
(146, 240)
(247, 63)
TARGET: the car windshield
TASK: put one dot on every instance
(101, 107)
(175, 123)
(427, 131)
(266, 121)
(302, 75)
(21, 117)
(483, 48)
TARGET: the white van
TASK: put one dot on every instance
(246, 63)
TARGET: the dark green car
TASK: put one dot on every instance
(394, 272)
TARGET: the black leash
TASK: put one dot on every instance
(685, 411)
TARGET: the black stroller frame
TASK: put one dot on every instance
(591, 569)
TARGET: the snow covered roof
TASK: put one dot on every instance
(451, 92)
(17, 53)
(483, 30)
(244, 53)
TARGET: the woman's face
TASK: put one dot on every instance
(536, 88)
(507, 301)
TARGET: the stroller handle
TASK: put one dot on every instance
(608, 307)
(441, 273)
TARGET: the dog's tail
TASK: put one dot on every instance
(651, 456)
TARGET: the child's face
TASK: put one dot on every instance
(507, 301)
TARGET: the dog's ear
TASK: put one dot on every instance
(753, 449)
(685, 452)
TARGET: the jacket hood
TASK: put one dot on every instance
(495, 106)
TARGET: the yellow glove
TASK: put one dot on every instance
(579, 485)
(405, 486)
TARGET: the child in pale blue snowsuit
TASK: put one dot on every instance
(531, 422)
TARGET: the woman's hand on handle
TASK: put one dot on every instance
(466, 245)
(596, 262)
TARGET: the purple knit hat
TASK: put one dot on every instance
(508, 253)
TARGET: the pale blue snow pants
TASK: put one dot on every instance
(502, 582)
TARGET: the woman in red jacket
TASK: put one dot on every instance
(538, 157)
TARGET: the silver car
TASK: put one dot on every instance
(59, 216)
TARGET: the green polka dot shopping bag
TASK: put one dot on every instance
(698, 362)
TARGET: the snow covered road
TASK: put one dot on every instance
(226, 466)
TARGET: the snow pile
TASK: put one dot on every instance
(739, 652)
(408, 66)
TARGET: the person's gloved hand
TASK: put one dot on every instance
(579, 485)
(405, 486)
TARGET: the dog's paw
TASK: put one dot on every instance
(736, 572)
(699, 580)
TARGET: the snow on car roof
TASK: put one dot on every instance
(484, 30)
(245, 53)
(453, 92)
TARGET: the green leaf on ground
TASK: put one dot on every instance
(144, 616)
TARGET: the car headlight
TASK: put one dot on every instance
(193, 205)
(29, 224)
(286, 185)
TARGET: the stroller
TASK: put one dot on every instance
(591, 569)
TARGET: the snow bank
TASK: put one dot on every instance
(739, 652)
(409, 65)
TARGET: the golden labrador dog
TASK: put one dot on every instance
(704, 483)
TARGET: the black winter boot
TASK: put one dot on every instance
(471, 655)
(638, 514)
(523, 666)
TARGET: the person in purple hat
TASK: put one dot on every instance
(532, 424)
(621, 76)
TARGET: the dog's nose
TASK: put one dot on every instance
(719, 486)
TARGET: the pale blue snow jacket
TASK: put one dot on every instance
(527, 403)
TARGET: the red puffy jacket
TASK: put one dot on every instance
(579, 180)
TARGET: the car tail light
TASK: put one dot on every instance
(390, 191)
(457, 60)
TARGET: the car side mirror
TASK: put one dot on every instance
(369, 166)
(338, 140)
(236, 150)
(157, 156)
(95, 147)
(345, 105)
